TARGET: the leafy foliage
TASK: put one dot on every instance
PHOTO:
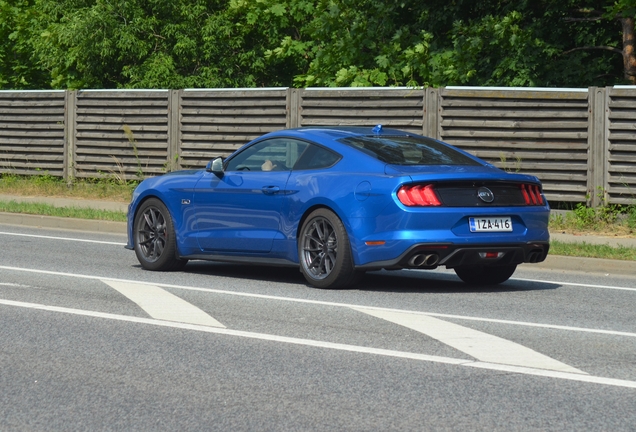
(18, 68)
(254, 43)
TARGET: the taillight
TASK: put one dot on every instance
(531, 194)
(418, 195)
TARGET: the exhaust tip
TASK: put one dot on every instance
(424, 260)
(431, 260)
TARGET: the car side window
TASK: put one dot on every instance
(316, 157)
(277, 154)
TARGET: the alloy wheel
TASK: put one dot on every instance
(320, 248)
(152, 234)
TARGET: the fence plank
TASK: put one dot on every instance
(126, 125)
(545, 132)
(399, 108)
(621, 145)
(216, 123)
(32, 132)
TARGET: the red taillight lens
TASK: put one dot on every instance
(418, 196)
(532, 194)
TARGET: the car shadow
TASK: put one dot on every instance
(440, 282)
(242, 271)
(378, 281)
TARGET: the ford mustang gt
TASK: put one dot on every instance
(339, 201)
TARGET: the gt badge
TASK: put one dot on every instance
(485, 194)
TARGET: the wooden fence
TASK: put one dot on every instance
(581, 143)
(33, 132)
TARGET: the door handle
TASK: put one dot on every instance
(270, 190)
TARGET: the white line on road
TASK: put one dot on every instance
(580, 284)
(62, 238)
(14, 285)
(162, 305)
(326, 303)
(482, 346)
(335, 346)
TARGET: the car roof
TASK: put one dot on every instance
(337, 132)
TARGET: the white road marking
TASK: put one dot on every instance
(336, 346)
(580, 284)
(14, 285)
(326, 303)
(62, 238)
(482, 346)
(162, 305)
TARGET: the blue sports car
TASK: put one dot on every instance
(339, 201)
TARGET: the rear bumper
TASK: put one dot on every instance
(429, 256)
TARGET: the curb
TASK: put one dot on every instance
(552, 262)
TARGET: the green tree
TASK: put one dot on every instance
(256, 43)
(166, 44)
(18, 67)
(624, 11)
(507, 43)
(121, 43)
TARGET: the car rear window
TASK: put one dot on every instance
(408, 150)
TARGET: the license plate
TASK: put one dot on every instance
(490, 224)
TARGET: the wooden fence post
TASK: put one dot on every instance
(293, 108)
(596, 138)
(431, 113)
(174, 131)
(70, 129)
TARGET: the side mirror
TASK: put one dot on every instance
(215, 166)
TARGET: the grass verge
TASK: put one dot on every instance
(49, 186)
(587, 250)
(610, 220)
(66, 212)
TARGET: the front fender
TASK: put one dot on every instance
(176, 192)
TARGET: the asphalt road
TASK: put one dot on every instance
(90, 341)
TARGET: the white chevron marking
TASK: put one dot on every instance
(160, 304)
(482, 346)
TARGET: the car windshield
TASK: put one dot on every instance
(408, 150)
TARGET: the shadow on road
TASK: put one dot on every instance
(436, 281)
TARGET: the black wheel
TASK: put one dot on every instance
(155, 242)
(325, 253)
(485, 275)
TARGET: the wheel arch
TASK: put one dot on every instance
(309, 211)
(345, 223)
(325, 261)
(140, 202)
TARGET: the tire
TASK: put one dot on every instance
(324, 252)
(154, 238)
(485, 275)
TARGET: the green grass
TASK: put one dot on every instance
(46, 185)
(587, 250)
(67, 212)
(607, 220)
